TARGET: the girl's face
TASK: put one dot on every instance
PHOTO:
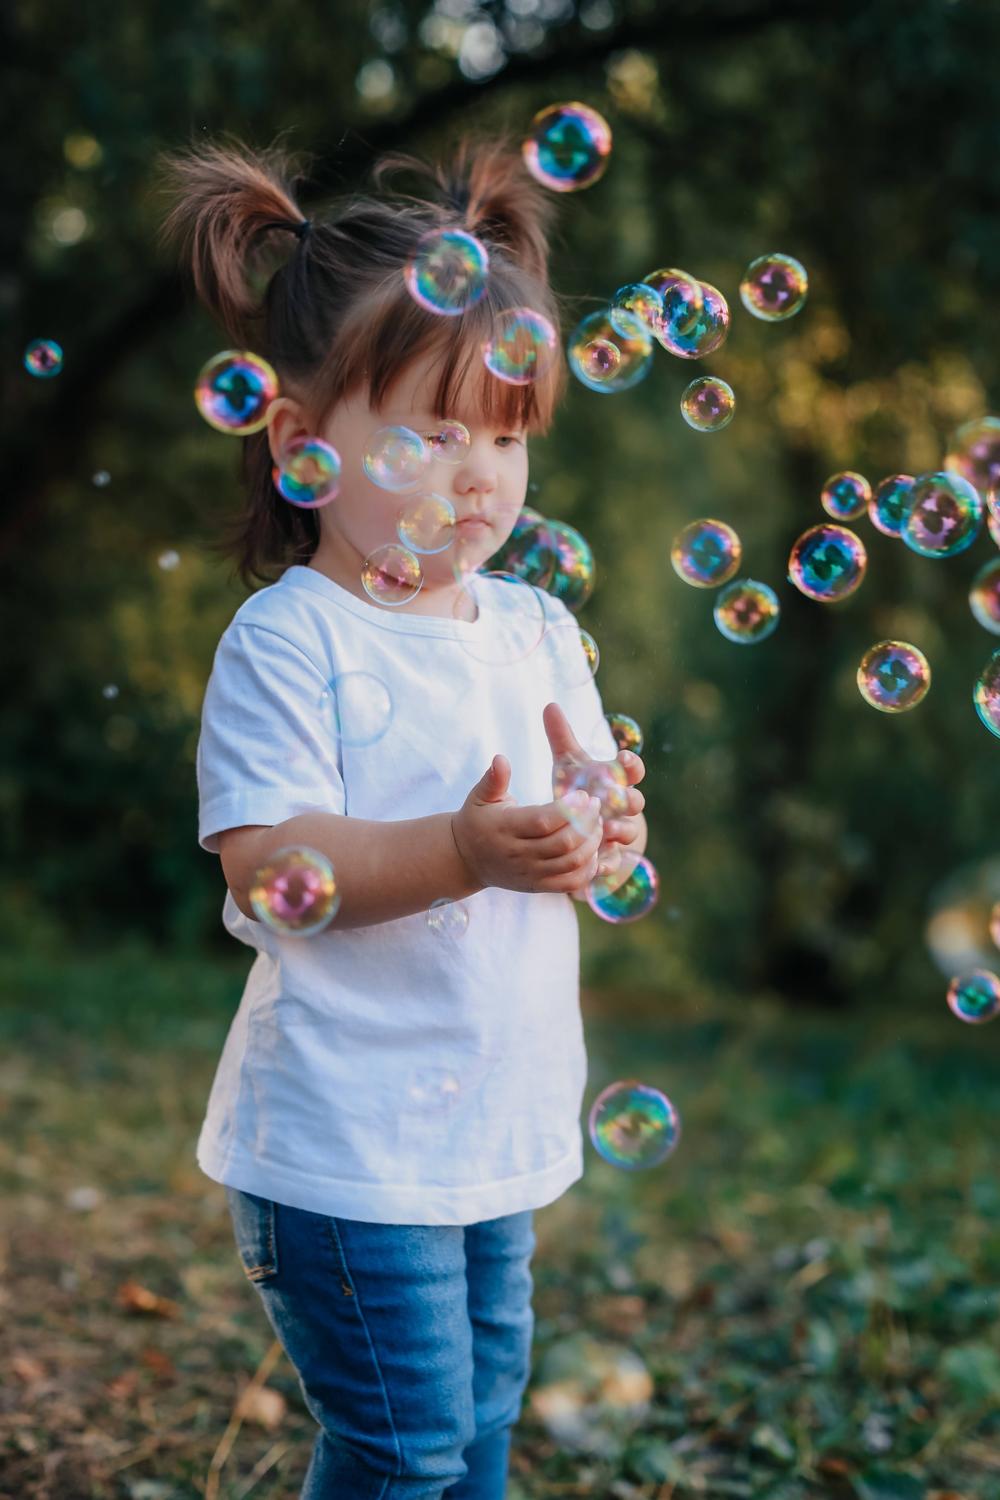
(487, 487)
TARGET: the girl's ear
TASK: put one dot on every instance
(285, 421)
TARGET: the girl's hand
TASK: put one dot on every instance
(522, 848)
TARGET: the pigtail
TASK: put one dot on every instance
(227, 204)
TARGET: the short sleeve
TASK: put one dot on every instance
(571, 677)
(265, 752)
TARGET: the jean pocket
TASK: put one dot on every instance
(253, 1226)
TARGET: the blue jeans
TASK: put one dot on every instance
(412, 1344)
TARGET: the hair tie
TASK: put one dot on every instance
(301, 230)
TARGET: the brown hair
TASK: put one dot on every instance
(336, 311)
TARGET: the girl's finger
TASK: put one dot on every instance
(576, 859)
(632, 765)
(636, 802)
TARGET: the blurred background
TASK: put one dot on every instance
(803, 1300)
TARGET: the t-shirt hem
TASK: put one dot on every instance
(377, 1203)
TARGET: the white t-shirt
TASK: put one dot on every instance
(396, 1073)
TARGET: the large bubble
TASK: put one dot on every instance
(746, 612)
(529, 552)
(567, 147)
(706, 553)
(827, 563)
(943, 516)
(633, 1125)
(705, 333)
(447, 271)
(357, 708)
(295, 892)
(635, 353)
(893, 676)
(774, 287)
(888, 505)
(573, 578)
(234, 390)
(974, 452)
(523, 345)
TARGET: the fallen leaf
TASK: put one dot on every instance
(139, 1299)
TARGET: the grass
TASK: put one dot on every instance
(811, 1282)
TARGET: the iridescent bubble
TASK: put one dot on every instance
(706, 553)
(706, 333)
(567, 147)
(600, 358)
(975, 453)
(747, 611)
(708, 404)
(573, 578)
(309, 475)
(449, 442)
(447, 271)
(627, 734)
(827, 563)
(295, 893)
(391, 575)
(894, 676)
(498, 618)
(574, 653)
(626, 892)
(944, 515)
(975, 997)
(633, 1125)
(986, 694)
(448, 919)
(984, 596)
(576, 782)
(529, 551)
(774, 287)
(888, 505)
(396, 459)
(524, 345)
(43, 358)
(356, 708)
(637, 308)
(682, 297)
(635, 354)
(427, 523)
(234, 390)
(845, 496)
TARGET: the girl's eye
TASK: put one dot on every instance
(508, 438)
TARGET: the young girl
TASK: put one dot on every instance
(393, 1100)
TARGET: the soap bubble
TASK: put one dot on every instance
(708, 404)
(827, 563)
(447, 271)
(356, 708)
(529, 551)
(523, 345)
(975, 997)
(974, 452)
(984, 596)
(567, 147)
(234, 390)
(635, 351)
(627, 734)
(681, 295)
(396, 459)
(893, 676)
(427, 523)
(627, 891)
(633, 1125)
(943, 517)
(747, 611)
(448, 918)
(449, 442)
(573, 578)
(498, 618)
(574, 654)
(600, 359)
(888, 505)
(43, 358)
(986, 694)
(845, 496)
(706, 553)
(637, 307)
(706, 333)
(391, 575)
(576, 782)
(309, 474)
(295, 893)
(774, 287)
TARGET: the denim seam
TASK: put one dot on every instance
(338, 1246)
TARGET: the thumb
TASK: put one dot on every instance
(562, 741)
(492, 787)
